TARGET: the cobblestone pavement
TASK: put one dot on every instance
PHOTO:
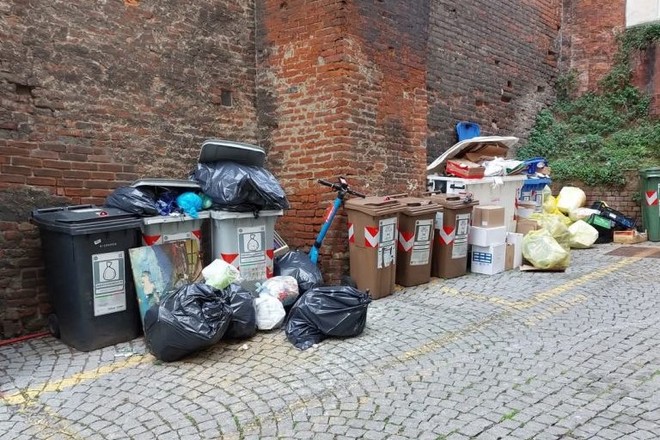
(571, 355)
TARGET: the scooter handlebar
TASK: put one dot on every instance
(338, 187)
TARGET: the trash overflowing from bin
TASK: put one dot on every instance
(208, 269)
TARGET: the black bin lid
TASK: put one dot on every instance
(84, 219)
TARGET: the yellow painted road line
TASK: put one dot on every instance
(25, 397)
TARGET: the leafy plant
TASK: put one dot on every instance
(599, 136)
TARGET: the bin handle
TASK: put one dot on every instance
(64, 208)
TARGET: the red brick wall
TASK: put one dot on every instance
(493, 63)
(98, 95)
(341, 92)
(590, 28)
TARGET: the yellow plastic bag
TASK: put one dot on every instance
(543, 251)
(570, 198)
(583, 235)
(556, 224)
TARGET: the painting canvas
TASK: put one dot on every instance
(161, 269)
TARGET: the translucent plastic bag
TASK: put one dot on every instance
(270, 312)
(543, 251)
(284, 288)
(556, 225)
(581, 213)
(583, 235)
(190, 203)
(570, 198)
(220, 274)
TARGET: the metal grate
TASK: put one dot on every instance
(636, 251)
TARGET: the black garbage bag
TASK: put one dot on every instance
(298, 265)
(237, 187)
(135, 200)
(194, 317)
(243, 323)
(339, 311)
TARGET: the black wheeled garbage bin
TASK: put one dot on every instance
(88, 274)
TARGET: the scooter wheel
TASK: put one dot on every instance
(54, 325)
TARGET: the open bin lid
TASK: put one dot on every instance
(468, 145)
(84, 219)
(374, 206)
(214, 150)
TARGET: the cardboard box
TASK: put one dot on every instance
(488, 216)
(487, 236)
(630, 237)
(488, 260)
(525, 209)
(516, 240)
(509, 256)
(525, 225)
(464, 168)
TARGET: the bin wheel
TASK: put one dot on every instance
(54, 325)
(346, 280)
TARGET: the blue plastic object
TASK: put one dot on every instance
(190, 203)
(534, 163)
(467, 130)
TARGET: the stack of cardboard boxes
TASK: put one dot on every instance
(494, 250)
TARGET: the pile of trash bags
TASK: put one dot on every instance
(565, 224)
(198, 315)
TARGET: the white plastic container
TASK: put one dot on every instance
(245, 242)
(498, 190)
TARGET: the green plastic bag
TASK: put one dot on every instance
(543, 251)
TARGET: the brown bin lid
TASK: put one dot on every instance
(418, 205)
(453, 201)
(374, 206)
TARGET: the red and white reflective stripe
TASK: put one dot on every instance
(447, 234)
(230, 258)
(351, 233)
(371, 236)
(406, 240)
(651, 198)
(151, 240)
(198, 234)
(270, 254)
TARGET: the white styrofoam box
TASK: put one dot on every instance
(488, 260)
(487, 236)
(516, 240)
(497, 190)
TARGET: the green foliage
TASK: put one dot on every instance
(599, 136)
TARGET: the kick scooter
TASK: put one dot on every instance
(342, 189)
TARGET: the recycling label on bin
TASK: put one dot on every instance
(421, 248)
(252, 253)
(109, 279)
(387, 236)
(460, 249)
